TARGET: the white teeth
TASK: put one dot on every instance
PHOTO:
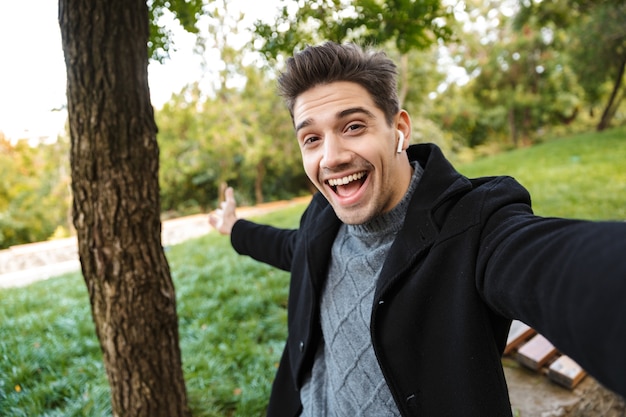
(345, 180)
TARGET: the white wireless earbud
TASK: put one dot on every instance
(400, 141)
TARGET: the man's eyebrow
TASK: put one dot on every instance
(303, 124)
(341, 114)
(353, 110)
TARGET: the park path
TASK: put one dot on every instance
(24, 264)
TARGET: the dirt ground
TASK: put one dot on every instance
(534, 395)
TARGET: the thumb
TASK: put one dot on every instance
(229, 199)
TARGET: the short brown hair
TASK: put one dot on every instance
(331, 62)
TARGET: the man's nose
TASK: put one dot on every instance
(335, 153)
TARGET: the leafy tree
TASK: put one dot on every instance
(186, 12)
(270, 149)
(410, 24)
(232, 127)
(243, 138)
(34, 195)
(521, 79)
(421, 83)
(188, 164)
(528, 81)
(600, 52)
(114, 168)
(597, 44)
(233, 131)
(462, 120)
(200, 140)
(401, 25)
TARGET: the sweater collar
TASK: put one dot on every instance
(391, 221)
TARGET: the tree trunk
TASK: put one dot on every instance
(612, 104)
(258, 182)
(404, 79)
(512, 126)
(114, 161)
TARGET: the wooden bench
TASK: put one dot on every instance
(535, 352)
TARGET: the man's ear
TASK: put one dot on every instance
(403, 125)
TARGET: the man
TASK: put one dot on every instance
(405, 275)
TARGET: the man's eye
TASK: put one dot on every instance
(354, 126)
(310, 140)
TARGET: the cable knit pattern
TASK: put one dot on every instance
(346, 379)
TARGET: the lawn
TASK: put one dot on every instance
(232, 317)
(232, 310)
(582, 176)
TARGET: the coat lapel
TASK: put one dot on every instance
(439, 184)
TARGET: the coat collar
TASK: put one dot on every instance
(439, 184)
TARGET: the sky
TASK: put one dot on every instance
(32, 67)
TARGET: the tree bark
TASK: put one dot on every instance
(609, 110)
(258, 181)
(512, 126)
(114, 161)
(404, 79)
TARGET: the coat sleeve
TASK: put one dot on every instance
(264, 243)
(565, 278)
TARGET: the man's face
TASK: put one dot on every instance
(350, 152)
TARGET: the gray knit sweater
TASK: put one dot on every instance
(346, 379)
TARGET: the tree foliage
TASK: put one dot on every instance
(596, 33)
(409, 24)
(242, 138)
(34, 191)
(235, 130)
(185, 12)
(529, 82)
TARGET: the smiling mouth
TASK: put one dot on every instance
(347, 185)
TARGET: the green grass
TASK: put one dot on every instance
(50, 360)
(232, 318)
(232, 310)
(582, 176)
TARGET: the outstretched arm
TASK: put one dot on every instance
(225, 217)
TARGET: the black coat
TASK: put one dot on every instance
(470, 257)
